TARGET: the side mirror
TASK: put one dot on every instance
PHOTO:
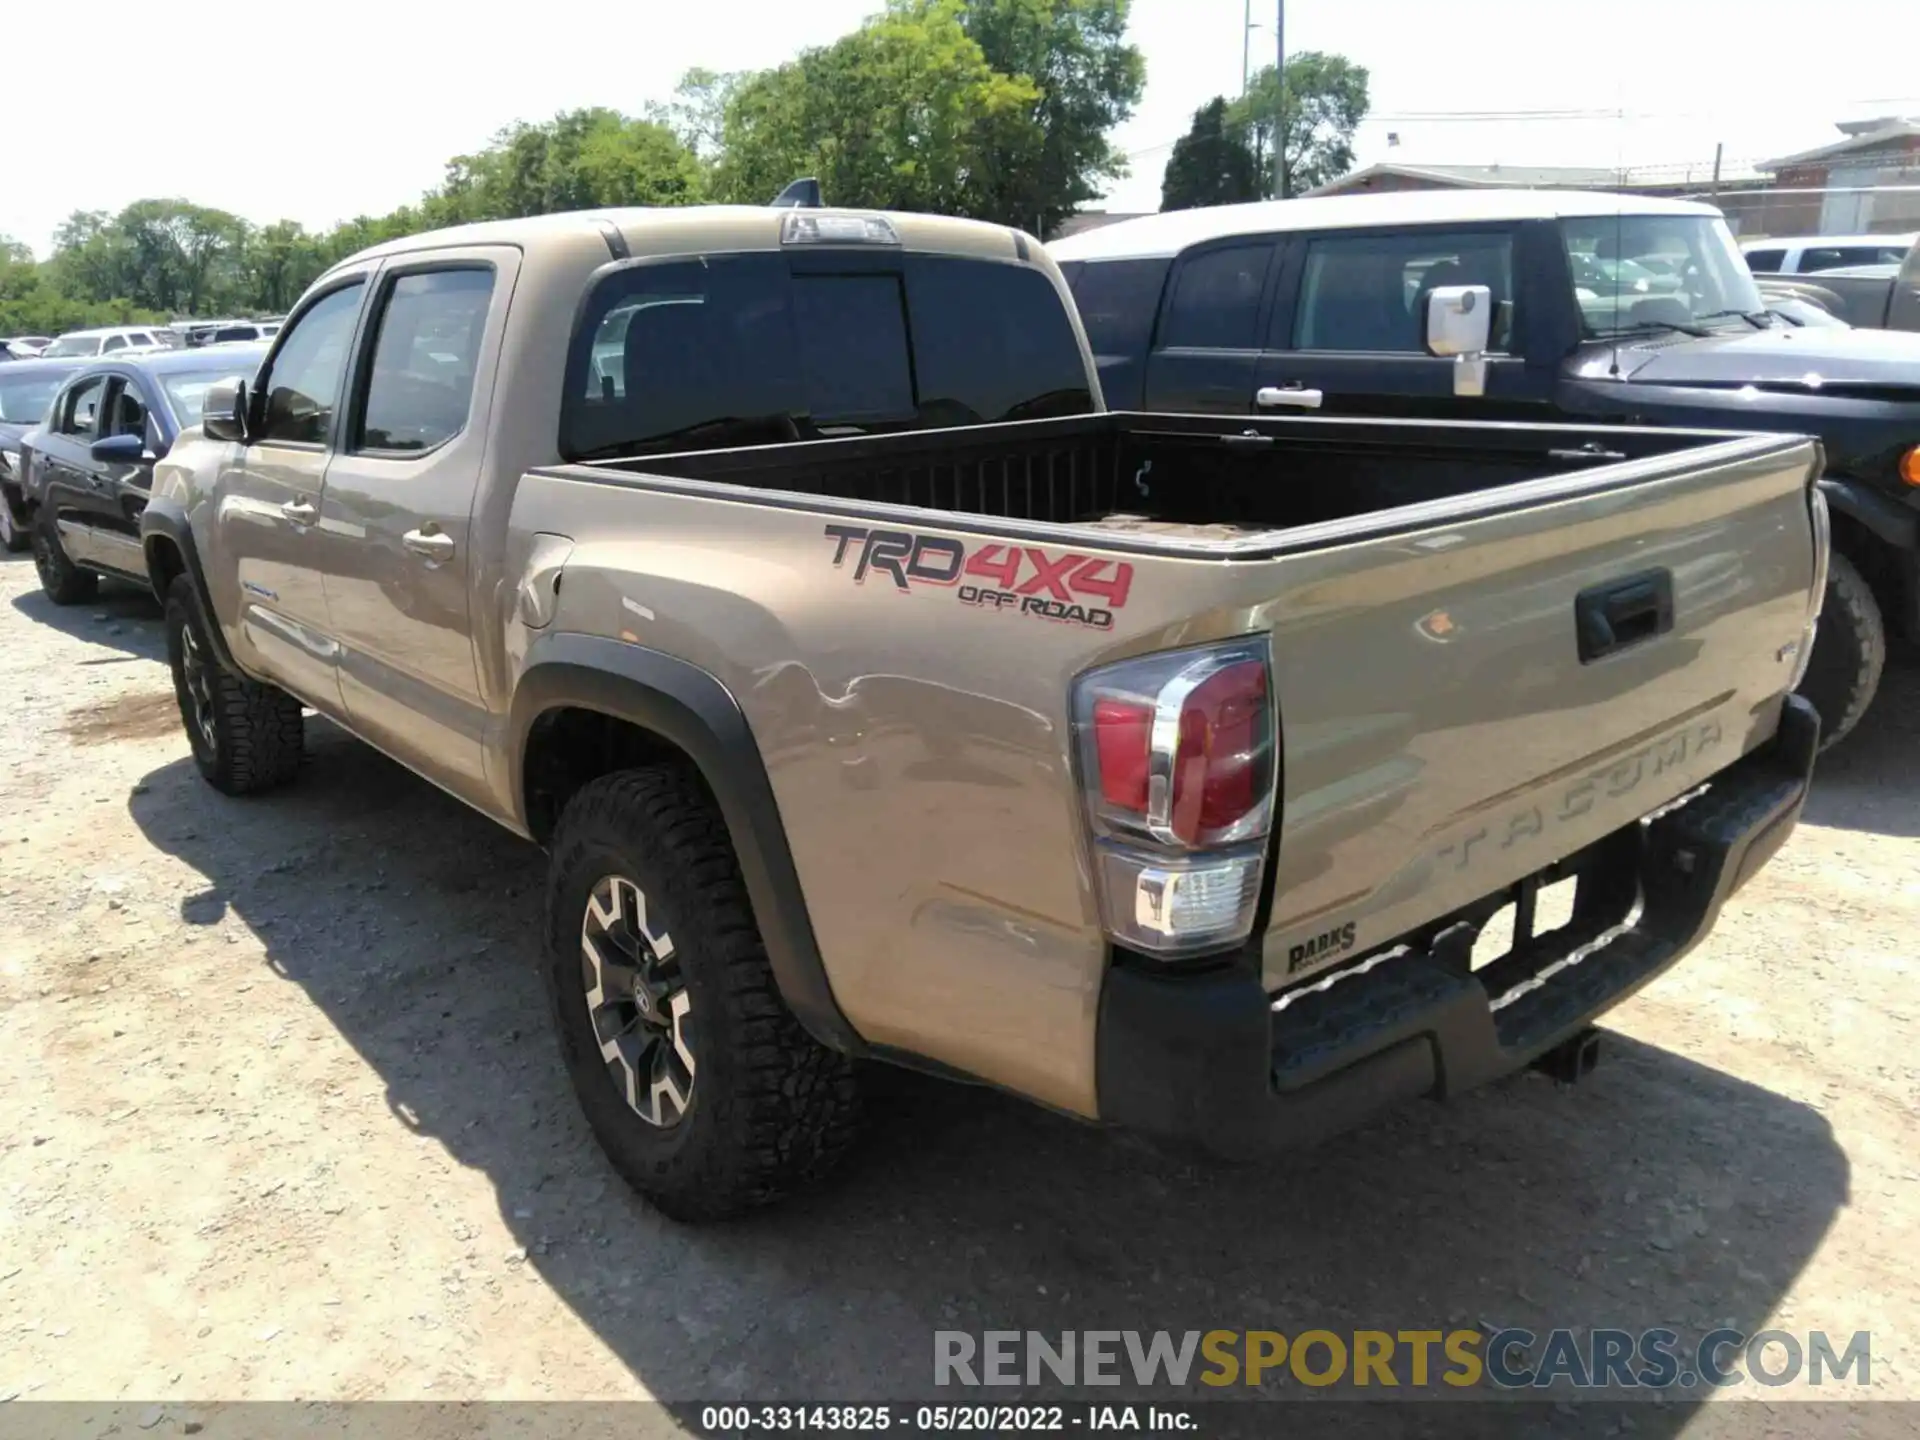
(223, 410)
(1459, 323)
(119, 450)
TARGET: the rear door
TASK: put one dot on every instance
(1345, 335)
(397, 512)
(1206, 346)
(268, 551)
(1119, 302)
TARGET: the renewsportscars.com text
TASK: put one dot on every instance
(1511, 1359)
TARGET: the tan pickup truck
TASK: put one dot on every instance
(877, 696)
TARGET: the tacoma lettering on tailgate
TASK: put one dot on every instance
(1023, 579)
(1622, 777)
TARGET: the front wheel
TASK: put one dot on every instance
(13, 539)
(1849, 652)
(701, 1086)
(64, 582)
(246, 736)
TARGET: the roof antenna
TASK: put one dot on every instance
(802, 194)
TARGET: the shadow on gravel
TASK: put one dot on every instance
(122, 616)
(1871, 780)
(1657, 1193)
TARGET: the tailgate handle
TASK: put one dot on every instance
(1622, 613)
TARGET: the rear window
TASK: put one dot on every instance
(751, 349)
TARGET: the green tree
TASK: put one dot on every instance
(903, 114)
(580, 159)
(280, 260)
(1326, 99)
(697, 114)
(1211, 164)
(1086, 80)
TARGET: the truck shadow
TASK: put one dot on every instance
(1656, 1193)
(1871, 780)
(122, 616)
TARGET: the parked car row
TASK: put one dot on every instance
(135, 339)
(75, 477)
(1605, 309)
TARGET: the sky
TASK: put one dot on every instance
(272, 113)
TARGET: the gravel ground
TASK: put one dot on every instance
(280, 1116)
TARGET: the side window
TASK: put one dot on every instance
(425, 354)
(1765, 262)
(126, 413)
(1216, 299)
(79, 412)
(1367, 292)
(1822, 257)
(304, 384)
(1118, 300)
(114, 342)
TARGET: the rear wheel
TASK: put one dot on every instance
(65, 583)
(699, 1083)
(246, 736)
(1849, 652)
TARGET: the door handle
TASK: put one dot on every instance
(1295, 396)
(433, 545)
(301, 511)
(1609, 618)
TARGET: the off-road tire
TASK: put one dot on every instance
(246, 736)
(1849, 652)
(14, 537)
(64, 582)
(770, 1109)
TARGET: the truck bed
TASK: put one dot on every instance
(1493, 647)
(1197, 483)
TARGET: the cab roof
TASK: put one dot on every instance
(683, 228)
(1168, 233)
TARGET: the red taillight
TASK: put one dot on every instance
(1199, 718)
(1122, 738)
(1218, 764)
(1179, 757)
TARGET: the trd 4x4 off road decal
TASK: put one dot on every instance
(1021, 578)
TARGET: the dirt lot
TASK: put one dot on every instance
(280, 1116)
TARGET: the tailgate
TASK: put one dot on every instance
(1462, 705)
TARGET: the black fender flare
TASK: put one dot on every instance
(1885, 517)
(164, 521)
(688, 707)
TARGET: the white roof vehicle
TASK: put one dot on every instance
(1172, 231)
(108, 340)
(1810, 254)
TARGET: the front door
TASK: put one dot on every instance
(1346, 334)
(400, 497)
(120, 488)
(267, 557)
(64, 483)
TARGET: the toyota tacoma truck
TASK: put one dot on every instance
(1595, 309)
(876, 695)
